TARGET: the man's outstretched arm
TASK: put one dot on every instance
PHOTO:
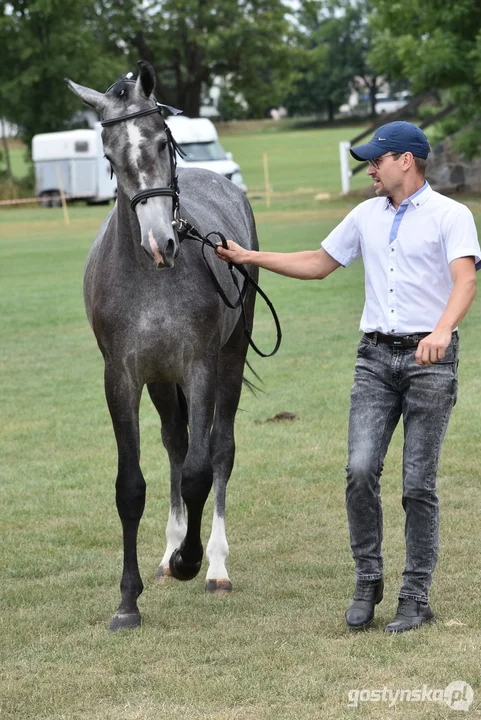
(305, 265)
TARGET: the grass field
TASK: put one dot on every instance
(299, 159)
(277, 648)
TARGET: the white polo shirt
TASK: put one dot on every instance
(406, 255)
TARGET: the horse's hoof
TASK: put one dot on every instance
(218, 587)
(125, 621)
(181, 570)
(163, 573)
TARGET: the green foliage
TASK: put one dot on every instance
(191, 42)
(16, 175)
(16, 188)
(438, 46)
(188, 42)
(333, 44)
(228, 106)
(42, 41)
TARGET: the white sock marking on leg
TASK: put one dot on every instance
(174, 533)
(217, 550)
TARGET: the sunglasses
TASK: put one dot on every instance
(377, 161)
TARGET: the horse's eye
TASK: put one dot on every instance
(162, 145)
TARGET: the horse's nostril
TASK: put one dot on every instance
(169, 251)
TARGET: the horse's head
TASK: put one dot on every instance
(142, 156)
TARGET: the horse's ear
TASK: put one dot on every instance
(146, 80)
(90, 97)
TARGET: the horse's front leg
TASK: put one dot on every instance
(185, 562)
(123, 398)
(170, 404)
(222, 445)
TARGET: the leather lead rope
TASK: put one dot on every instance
(193, 234)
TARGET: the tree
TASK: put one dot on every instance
(438, 46)
(332, 59)
(190, 42)
(42, 41)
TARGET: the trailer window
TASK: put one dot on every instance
(198, 152)
(81, 146)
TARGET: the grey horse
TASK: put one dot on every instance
(159, 321)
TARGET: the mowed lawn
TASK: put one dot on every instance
(277, 647)
(299, 159)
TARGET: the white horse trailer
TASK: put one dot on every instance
(72, 161)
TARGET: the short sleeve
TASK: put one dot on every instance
(344, 242)
(461, 236)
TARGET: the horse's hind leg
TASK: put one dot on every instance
(123, 398)
(222, 445)
(169, 403)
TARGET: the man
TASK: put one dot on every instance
(419, 251)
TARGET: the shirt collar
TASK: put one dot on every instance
(417, 199)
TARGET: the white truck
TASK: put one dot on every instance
(198, 140)
(73, 161)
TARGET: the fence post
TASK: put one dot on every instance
(62, 196)
(345, 171)
(266, 181)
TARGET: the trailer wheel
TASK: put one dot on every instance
(51, 199)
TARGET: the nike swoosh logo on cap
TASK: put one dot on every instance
(381, 138)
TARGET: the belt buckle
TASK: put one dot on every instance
(410, 340)
(406, 341)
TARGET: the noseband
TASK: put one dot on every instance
(173, 189)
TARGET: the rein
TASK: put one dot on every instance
(186, 230)
(191, 233)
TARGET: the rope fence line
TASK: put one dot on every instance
(252, 192)
(44, 199)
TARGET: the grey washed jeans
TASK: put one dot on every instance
(389, 383)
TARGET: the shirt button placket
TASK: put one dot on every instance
(391, 283)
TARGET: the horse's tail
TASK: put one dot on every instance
(249, 384)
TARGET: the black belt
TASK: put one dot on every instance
(397, 340)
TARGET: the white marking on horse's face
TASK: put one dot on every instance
(135, 136)
(159, 260)
(140, 165)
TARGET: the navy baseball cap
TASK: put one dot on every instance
(398, 136)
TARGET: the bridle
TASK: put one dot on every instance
(173, 189)
(186, 230)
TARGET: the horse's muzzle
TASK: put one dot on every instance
(165, 255)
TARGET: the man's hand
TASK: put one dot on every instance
(235, 253)
(433, 347)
